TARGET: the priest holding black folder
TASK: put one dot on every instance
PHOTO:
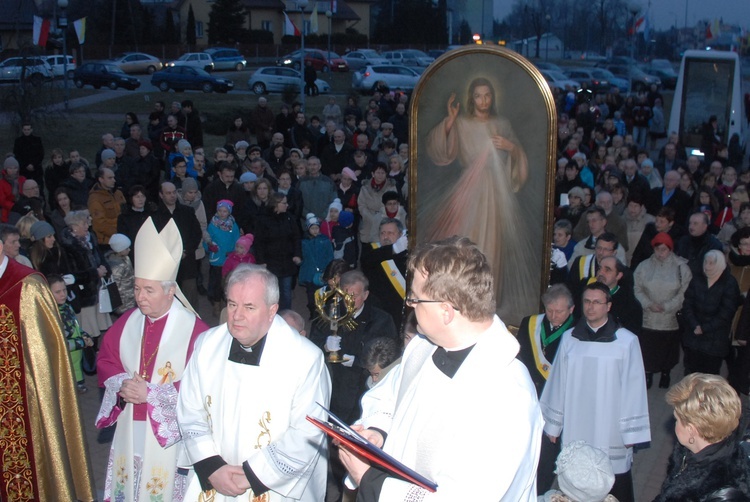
(460, 410)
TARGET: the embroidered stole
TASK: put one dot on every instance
(587, 269)
(158, 466)
(394, 274)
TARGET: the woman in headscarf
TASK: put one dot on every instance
(710, 302)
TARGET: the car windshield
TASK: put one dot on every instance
(113, 68)
(333, 55)
(370, 53)
(603, 74)
(556, 75)
(416, 53)
(184, 57)
(120, 56)
(201, 72)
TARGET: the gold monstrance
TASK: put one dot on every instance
(336, 307)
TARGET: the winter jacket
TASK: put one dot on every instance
(277, 241)
(317, 253)
(713, 310)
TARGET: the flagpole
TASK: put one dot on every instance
(301, 4)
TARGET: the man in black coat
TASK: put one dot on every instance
(384, 264)
(335, 156)
(191, 234)
(699, 241)
(670, 195)
(625, 307)
(224, 186)
(349, 378)
(29, 151)
(193, 125)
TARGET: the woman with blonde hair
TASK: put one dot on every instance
(708, 462)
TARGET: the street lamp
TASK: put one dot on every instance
(329, 15)
(301, 4)
(546, 50)
(62, 23)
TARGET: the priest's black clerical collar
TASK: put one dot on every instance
(605, 333)
(247, 355)
(448, 362)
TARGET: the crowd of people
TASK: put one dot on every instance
(650, 259)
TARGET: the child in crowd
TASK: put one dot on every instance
(75, 337)
(392, 207)
(317, 253)
(344, 238)
(241, 254)
(380, 355)
(122, 271)
(223, 233)
(584, 473)
(332, 218)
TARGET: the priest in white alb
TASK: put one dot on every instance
(140, 365)
(244, 400)
(460, 409)
(596, 391)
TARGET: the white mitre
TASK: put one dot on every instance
(158, 254)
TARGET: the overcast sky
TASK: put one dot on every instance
(664, 12)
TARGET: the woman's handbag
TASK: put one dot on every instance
(109, 296)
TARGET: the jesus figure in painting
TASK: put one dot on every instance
(483, 205)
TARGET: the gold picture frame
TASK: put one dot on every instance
(487, 172)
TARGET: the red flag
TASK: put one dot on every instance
(289, 27)
(41, 31)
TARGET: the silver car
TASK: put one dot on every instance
(33, 69)
(363, 57)
(278, 79)
(199, 60)
(395, 77)
(409, 57)
(138, 62)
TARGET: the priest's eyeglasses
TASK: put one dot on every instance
(412, 302)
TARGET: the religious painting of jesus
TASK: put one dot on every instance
(482, 140)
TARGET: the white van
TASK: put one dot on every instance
(709, 84)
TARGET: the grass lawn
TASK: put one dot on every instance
(83, 126)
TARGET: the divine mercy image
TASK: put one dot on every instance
(476, 179)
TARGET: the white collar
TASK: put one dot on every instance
(3, 265)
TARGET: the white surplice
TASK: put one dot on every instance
(596, 392)
(477, 435)
(257, 413)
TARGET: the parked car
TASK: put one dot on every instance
(278, 79)
(408, 57)
(199, 60)
(363, 57)
(181, 78)
(622, 84)
(639, 80)
(227, 59)
(138, 62)
(589, 75)
(664, 64)
(31, 69)
(396, 77)
(104, 74)
(319, 59)
(57, 63)
(559, 80)
(544, 65)
(667, 76)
